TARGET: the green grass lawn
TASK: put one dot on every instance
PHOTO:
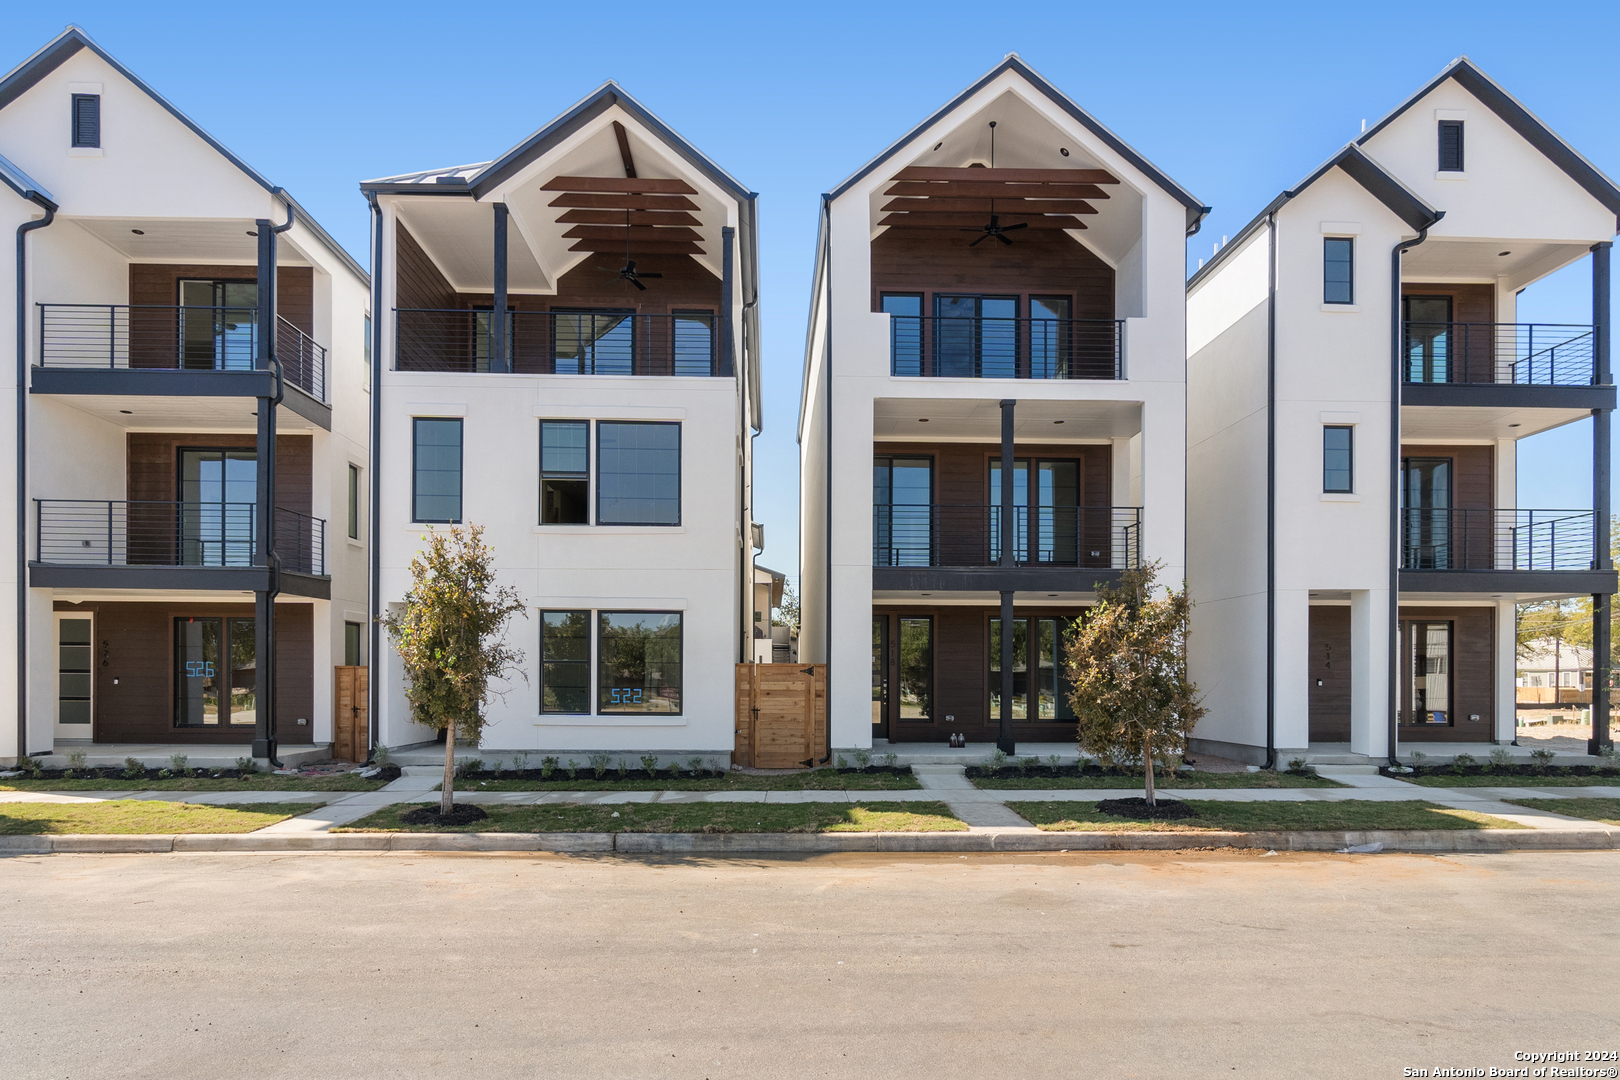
(1264, 817)
(1512, 781)
(688, 817)
(142, 816)
(809, 780)
(1009, 780)
(1604, 810)
(269, 782)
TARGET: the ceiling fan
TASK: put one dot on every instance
(995, 228)
(628, 270)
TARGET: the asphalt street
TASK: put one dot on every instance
(1137, 964)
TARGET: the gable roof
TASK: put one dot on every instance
(1196, 210)
(1379, 182)
(20, 182)
(1494, 97)
(58, 50)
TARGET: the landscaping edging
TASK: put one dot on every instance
(1012, 840)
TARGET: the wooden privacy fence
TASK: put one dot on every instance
(351, 717)
(781, 715)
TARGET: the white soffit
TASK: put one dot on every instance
(1527, 261)
(222, 241)
(979, 420)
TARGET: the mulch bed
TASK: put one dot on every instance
(1012, 768)
(1139, 810)
(115, 772)
(1505, 770)
(460, 814)
(560, 774)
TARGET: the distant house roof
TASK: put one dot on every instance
(1196, 210)
(59, 49)
(20, 182)
(1379, 182)
(1548, 654)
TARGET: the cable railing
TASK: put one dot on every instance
(1516, 354)
(950, 347)
(87, 532)
(1450, 539)
(148, 337)
(559, 342)
(1095, 537)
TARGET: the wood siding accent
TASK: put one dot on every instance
(135, 644)
(685, 286)
(1329, 664)
(1039, 262)
(417, 281)
(1473, 680)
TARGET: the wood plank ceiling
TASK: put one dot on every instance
(930, 198)
(607, 213)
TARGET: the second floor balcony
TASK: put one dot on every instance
(1074, 537)
(560, 342)
(1443, 539)
(1503, 354)
(957, 347)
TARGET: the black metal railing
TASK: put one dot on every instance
(559, 342)
(84, 532)
(1517, 354)
(1099, 537)
(948, 347)
(1497, 539)
(190, 338)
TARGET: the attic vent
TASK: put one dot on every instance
(1451, 146)
(87, 120)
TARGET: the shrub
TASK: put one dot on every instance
(674, 769)
(890, 758)
(650, 763)
(997, 760)
(714, 767)
(624, 770)
(497, 765)
(548, 765)
(379, 755)
(1500, 758)
(863, 758)
(599, 765)
(1300, 767)
(1418, 758)
(246, 766)
(572, 769)
(75, 759)
(520, 762)
(1025, 764)
(1462, 762)
(695, 764)
(1054, 762)
(177, 762)
(1543, 758)
(467, 766)
(133, 769)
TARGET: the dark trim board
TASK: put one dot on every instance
(1548, 582)
(243, 579)
(1041, 579)
(1507, 396)
(126, 382)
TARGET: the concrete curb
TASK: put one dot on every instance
(1421, 841)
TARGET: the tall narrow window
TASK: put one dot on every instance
(218, 328)
(367, 350)
(917, 669)
(74, 671)
(1338, 270)
(905, 332)
(565, 661)
(693, 342)
(565, 462)
(354, 502)
(218, 509)
(351, 644)
(903, 516)
(87, 120)
(1429, 662)
(638, 478)
(1338, 459)
(436, 489)
(639, 662)
(1451, 146)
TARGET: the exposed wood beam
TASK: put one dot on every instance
(624, 150)
(616, 217)
(635, 185)
(1019, 176)
(635, 232)
(976, 221)
(641, 247)
(963, 189)
(624, 202)
(982, 206)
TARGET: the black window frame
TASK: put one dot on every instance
(545, 663)
(1349, 451)
(79, 138)
(461, 469)
(223, 671)
(711, 320)
(1441, 128)
(604, 708)
(563, 474)
(354, 634)
(680, 439)
(354, 501)
(1349, 243)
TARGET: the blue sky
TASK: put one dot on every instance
(1236, 101)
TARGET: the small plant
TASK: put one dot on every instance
(572, 769)
(1463, 762)
(1299, 766)
(695, 765)
(1610, 755)
(133, 769)
(75, 759)
(520, 763)
(1025, 764)
(863, 758)
(624, 769)
(34, 766)
(650, 763)
(714, 767)
(674, 769)
(1543, 758)
(379, 756)
(997, 760)
(890, 759)
(1054, 762)
(467, 766)
(548, 765)
(842, 764)
(1418, 758)
(1500, 758)
(497, 765)
(599, 765)
(246, 766)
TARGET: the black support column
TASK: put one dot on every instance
(728, 346)
(1009, 560)
(498, 353)
(1600, 501)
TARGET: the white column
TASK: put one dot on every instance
(1507, 664)
(1507, 474)
(1369, 672)
(1119, 490)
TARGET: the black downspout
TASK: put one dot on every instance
(1397, 355)
(264, 601)
(1601, 602)
(373, 608)
(1271, 492)
(22, 465)
(1009, 562)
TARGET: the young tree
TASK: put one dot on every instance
(787, 612)
(451, 639)
(1127, 665)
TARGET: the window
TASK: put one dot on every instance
(74, 670)
(366, 350)
(219, 492)
(1428, 692)
(1338, 459)
(587, 341)
(1338, 268)
(436, 487)
(87, 120)
(1041, 694)
(218, 328)
(565, 661)
(638, 479)
(916, 669)
(694, 343)
(639, 662)
(976, 337)
(565, 464)
(902, 511)
(354, 502)
(1451, 146)
(905, 332)
(1426, 513)
(351, 644)
(214, 672)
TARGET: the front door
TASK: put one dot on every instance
(219, 491)
(75, 676)
(1428, 338)
(880, 676)
(1047, 505)
(1426, 502)
(218, 324)
(1329, 669)
(976, 337)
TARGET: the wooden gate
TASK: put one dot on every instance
(781, 715)
(351, 714)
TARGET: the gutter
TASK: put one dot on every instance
(22, 462)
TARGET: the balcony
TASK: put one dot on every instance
(1500, 550)
(1083, 537)
(132, 340)
(560, 343)
(1507, 354)
(951, 347)
(182, 545)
